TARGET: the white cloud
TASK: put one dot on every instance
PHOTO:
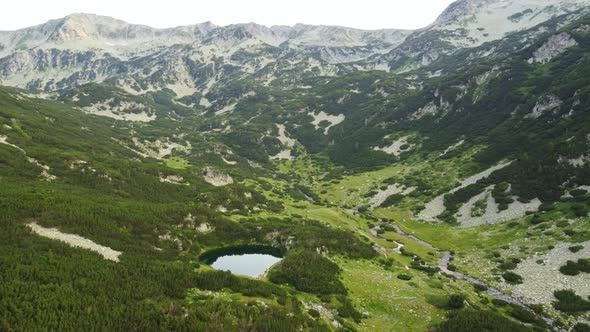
(364, 14)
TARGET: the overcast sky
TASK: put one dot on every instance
(363, 14)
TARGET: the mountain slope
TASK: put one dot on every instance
(436, 179)
(84, 48)
(471, 23)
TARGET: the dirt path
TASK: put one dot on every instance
(443, 265)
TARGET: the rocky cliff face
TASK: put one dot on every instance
(195, 59)
(84, 48)
(468, 24)
(84, 31)
(474, 22)
(556, 45)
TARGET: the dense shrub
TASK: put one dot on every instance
(572, 268)
(536, 219)
(569, 301)
(308, 271)
(456, 301)
(218, 280)
(404, 276)
(479, 288)
(314, 313)
(522, 314)
(507, 266)
(417, 265)
(499, 303)
(581, 327)
(346, 310)
(512, 278)
(578, 192)
(470, 320)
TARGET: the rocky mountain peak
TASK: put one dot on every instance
(75, 27)
(474, 22)
(82, 48)
(260, 32)
(518, 10)
(460, 9)
(81, 26)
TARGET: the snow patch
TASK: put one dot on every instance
(430, 109)
(575, 162)
(121, 111)
(4, 140)
(226, 109)
(204, 228)
(75, 164)
(569, 195)
(396, 147)
(204, 102)
(75, 241)
(229, 162)
(44, 168)
(159, 148)
(286, 141)
(182, 90)
(174, 179)
(322, 116)
(544, 104)
(283, 155)
(452, 147)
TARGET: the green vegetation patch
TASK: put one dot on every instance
(512, 278)
(569, 301)
(308, 271)
(177, 163)
(572, 268)
(470, 320)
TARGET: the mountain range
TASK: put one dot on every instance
(405, 180)
(83, 48)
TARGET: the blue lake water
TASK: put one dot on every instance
(251, 265)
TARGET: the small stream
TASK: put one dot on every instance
(443, 265)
